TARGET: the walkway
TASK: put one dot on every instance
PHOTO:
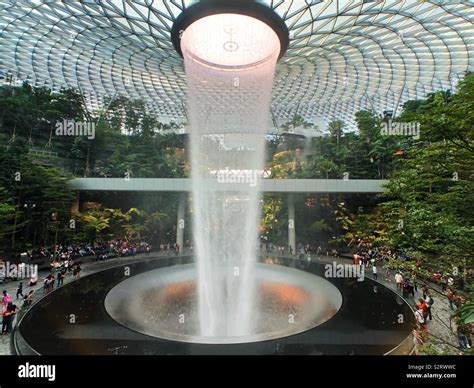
(87, 269)
(268, 185)
(439, 328)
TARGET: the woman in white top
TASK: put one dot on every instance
(399, 281)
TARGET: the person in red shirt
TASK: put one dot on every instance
(423, 307)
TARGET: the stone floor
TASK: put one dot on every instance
(11, 287)
(441, 329)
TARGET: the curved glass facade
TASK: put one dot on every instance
(343, 56)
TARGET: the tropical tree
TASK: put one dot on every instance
(95, 223)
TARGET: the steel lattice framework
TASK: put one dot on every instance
(343, 55)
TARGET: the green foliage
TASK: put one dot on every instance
(432, 349)
(7, 214)
(99, 223)
(273, 218)
(432, 190)
(127, 137)
(428, 209)
(29, 195)
(466, 312)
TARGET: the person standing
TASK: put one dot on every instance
(399, 281)
(77, 271)
(444, 283)
(450, 282)
(450, 295)
(19, 290)
(8, 316)
(33, 280)
(5, 300)
(428, 303)
(420, 319)
(411, 288)
(374, 271)
(46, 284)
(413, 279)
(406, 288)
(464, 333)
(61, 277)
(423, 307)
(28, 298)
(302, 252)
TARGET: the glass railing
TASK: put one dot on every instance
(20, 346)
(18, 343)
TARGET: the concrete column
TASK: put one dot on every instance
(75, 203)
(291, 223)
(180, 221)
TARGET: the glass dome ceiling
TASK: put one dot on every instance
(343, 55)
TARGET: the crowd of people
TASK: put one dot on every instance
(99, 249)
(63, 260)
(407, 283)
(386, 260)
(302, 250)
(60, 269)
(175, 248)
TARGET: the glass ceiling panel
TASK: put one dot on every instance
(343, 56)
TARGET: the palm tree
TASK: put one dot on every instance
(96, 222)
(336, 129)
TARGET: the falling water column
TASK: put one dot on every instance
(229, 62)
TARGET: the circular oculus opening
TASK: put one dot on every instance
(230, 40)
(239, 31)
